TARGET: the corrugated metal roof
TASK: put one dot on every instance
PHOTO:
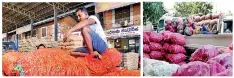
(18, 14)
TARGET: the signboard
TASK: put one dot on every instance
(124, 32)
(104, 6)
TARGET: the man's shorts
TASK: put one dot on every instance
(98, 44)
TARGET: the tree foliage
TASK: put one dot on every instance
(185, 9)
(152, 11)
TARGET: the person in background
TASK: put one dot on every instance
(41, 46)
(92, 33)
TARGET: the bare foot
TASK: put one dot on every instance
(99, 55)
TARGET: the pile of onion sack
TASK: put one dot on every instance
(208, 60)
(179, 25)
(165, 46)
(58, 62)
(7, 62)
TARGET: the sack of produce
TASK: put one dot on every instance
(190, 21)
(167, 35)
(8, 60)
(196, 68)
(180, 21)
(96, 66)
(197, 18)
(168, 21)
(202, 17)
(113, 56)
(156, 55)
(227, 72)
(175, 58)
(214, 21)
(231, 46)
(155, 46)
(158, 68)
(225, 59)
(181, 63)
(50, 62)
(172, 29)
(215, 16)
(208, 16)
(146, 55)
(225, 50)
(166, 46)
(156, 37)
(204, 53)
(174, 48)
(164, 70)
(188, 31)
(215, 68)
(180, 29)
(178, 39)
(145, 38)
(147, 33)
(124, 72)
(146, 48)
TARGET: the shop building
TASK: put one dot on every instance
(121, 22)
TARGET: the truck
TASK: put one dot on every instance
(222, 39)
(9, 46)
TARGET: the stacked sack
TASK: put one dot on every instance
(130, 60)
(166, 46)
(188, 27)
(29, 45)
(73, 42)
(58, 62)
(207, 60)
(211, 20)
(179, 25)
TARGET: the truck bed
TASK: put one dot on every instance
(219, 40)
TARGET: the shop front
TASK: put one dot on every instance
(124, 39)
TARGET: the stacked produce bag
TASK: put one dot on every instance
(130, 60)
(205, 24)
(25, 46)
(179, 25)
(165, 46)
(57, 62)
(74, 41)
(207, 60)
(29, 45)
(210, 20)
(164, 55)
